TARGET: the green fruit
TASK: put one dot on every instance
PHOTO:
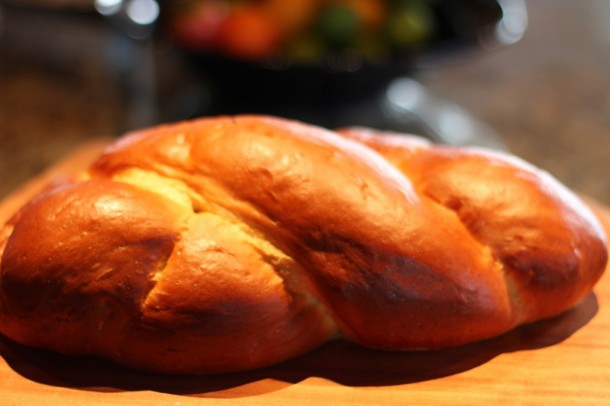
(337, 25)
(410, 25)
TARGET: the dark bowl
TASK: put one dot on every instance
(340, 78)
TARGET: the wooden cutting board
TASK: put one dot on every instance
(564, 361)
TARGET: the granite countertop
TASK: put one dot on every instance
(548, 96)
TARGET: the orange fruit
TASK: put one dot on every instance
(250, 33)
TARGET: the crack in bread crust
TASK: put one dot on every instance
(193, 203)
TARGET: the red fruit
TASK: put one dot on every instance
(199, 27)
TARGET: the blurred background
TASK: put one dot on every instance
(531, 77)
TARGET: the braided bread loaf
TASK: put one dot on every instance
(227, 244)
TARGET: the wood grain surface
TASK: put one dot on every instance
(563, 361)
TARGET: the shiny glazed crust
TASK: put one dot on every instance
(232, 243)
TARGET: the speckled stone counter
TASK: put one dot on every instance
(548, 96)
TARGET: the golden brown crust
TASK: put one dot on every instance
(232, 243)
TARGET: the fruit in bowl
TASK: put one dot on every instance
(303, 31)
